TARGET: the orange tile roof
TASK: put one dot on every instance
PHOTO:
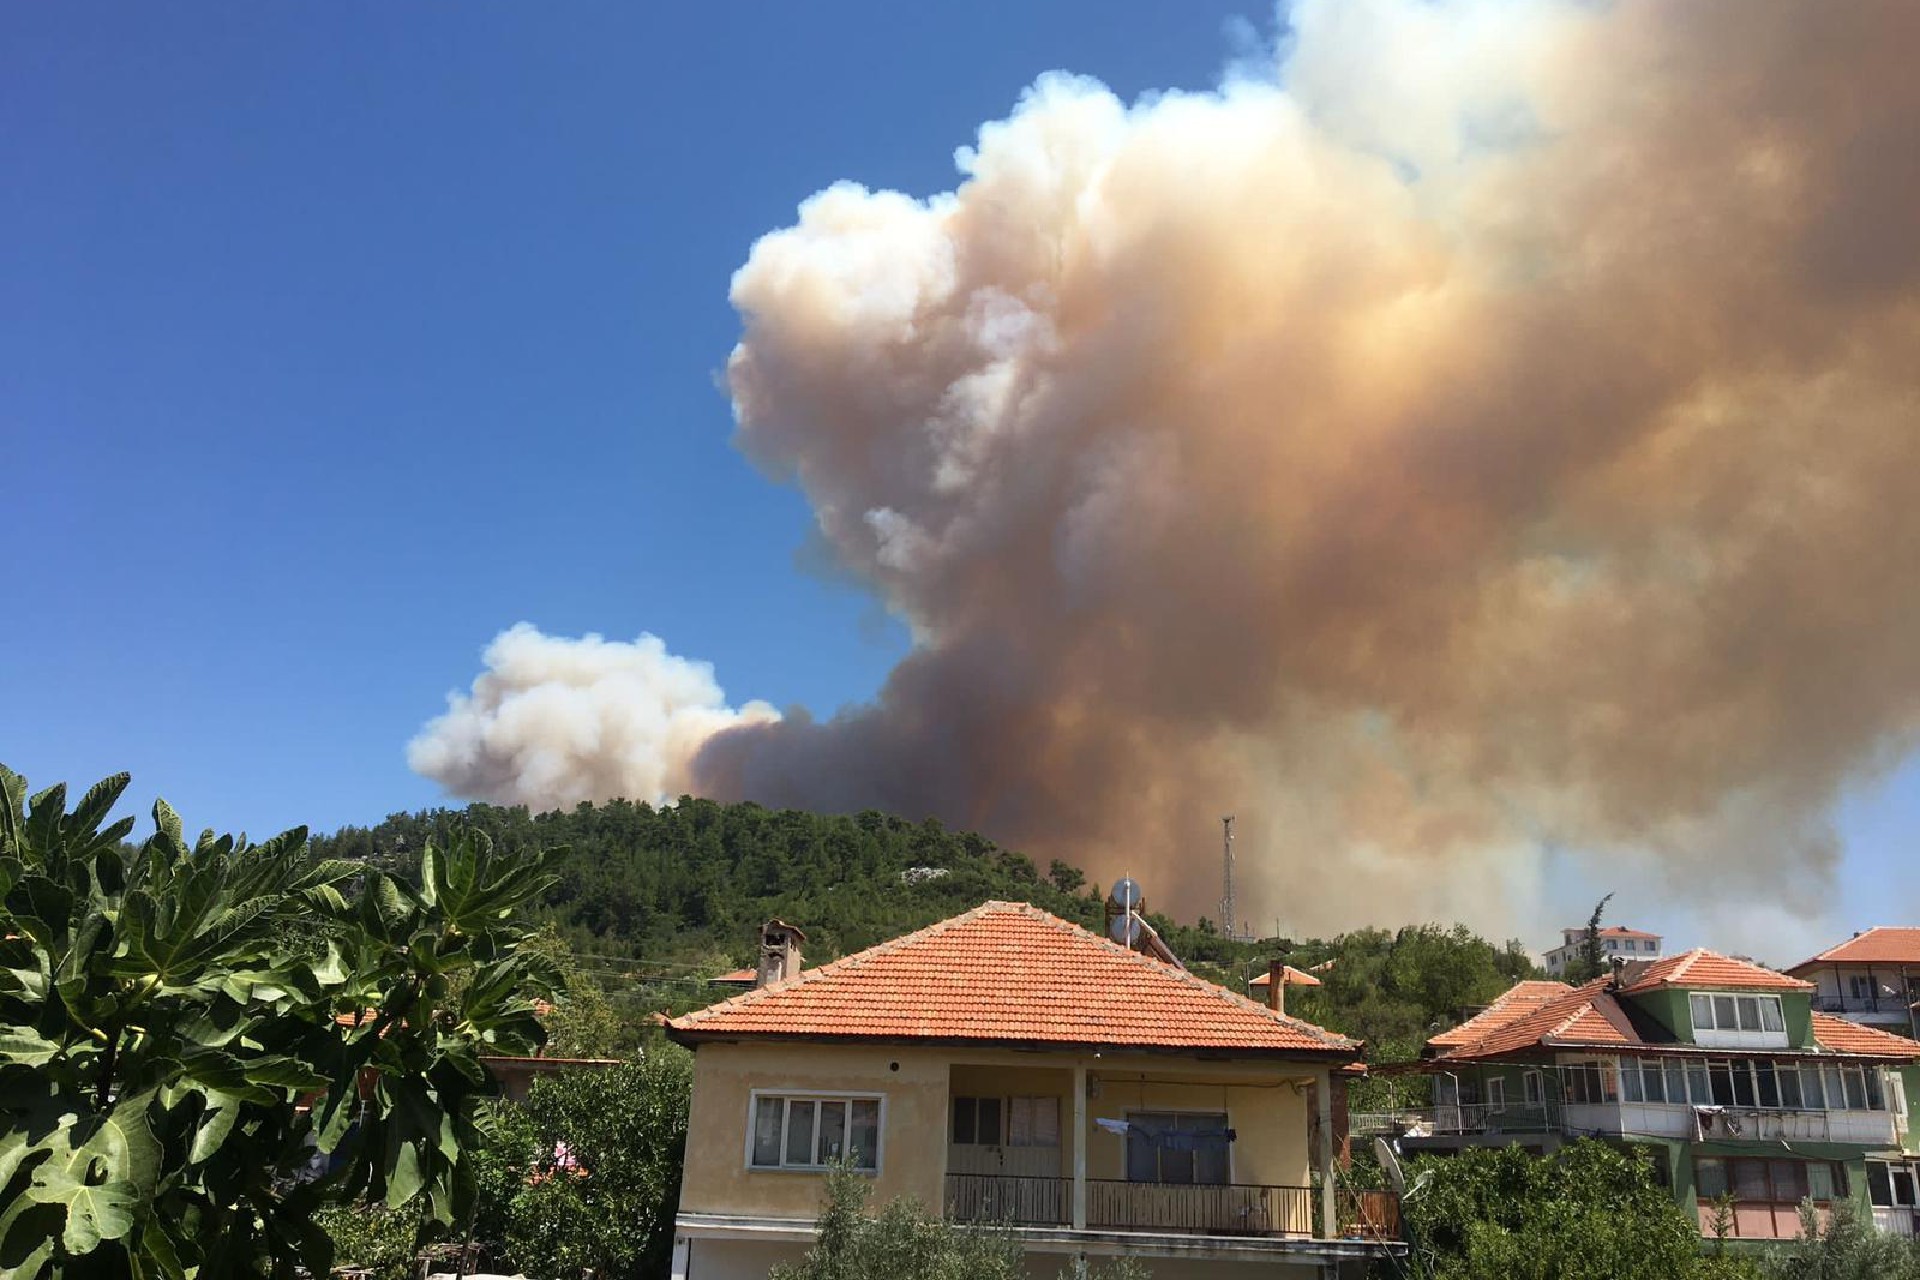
(1709, 970)
(1592, 1016)
(1882, 944)
(1841, 1036)
(1295, 978)
(1513, 1004)
(1616, 931)
(1010, 973)
(736, 977)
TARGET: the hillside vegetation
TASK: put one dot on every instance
(654, 901)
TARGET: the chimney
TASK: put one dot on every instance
(1277, 985)
(779, 953)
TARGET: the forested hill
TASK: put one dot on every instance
(656, 900)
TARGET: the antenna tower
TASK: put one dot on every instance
(1227, 911)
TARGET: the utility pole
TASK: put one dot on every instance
(1227, 910)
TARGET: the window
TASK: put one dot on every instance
(1736, 1013)
(1630, 1089)
(1856, 1089)
(1812, 1090)
(976, 1122)
(1676, 1082)
(1769, 1083)
(1782, 1182)
(1530, 1084)
(795, 1132)
(1033, 1122)
(1178, 1147)
(1789, 1077)
(1722, 1075)
(1697, 1085)
(1860, 986)
(1655, 1081)
(1496, 1094)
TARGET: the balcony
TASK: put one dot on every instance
(1633, 1119)
(1463, 1119)
(1212, 1210)
(1890, 1003)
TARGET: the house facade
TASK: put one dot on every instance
(1009, 1068)
(1749, 1100)
(1872, 978)
(1630, 944)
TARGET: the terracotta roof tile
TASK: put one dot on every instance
(1010, 972)
(1882, 944)
(1709, 970)
(1513, 1004)
(1842, 1036)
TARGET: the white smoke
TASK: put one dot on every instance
(555, 721)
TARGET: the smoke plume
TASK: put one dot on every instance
(1493, 428)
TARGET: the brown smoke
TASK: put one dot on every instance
(1499, 430)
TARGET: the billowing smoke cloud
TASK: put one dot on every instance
(1497, 430)
(556, 721)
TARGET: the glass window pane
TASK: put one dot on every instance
(1656, 1085)
(1820, 1180)
(1698, 1090)
(963, 1120)
(991, 1134)
(1722, 1083)
(1770, 1014)
(1630, 1082)
(1709, 1178)
(833, 1131)
(865, 1133)
(1769, 1084)
(1723, 1015)
(1811, 1088)
(1856, 1090)
(766, 1131)
(1902, 1179)
(1789, 1180)
(1789, 1085)
(1876, 1098)
(1610, 1082)
(1879, 1185)
(799, 1132)
(1749, 1179)
(1702, 1007)
(1749, 1013)
(1743, 1083)
(1676, 1082)
(1836, 1097)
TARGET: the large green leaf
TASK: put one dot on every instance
(26, 1046)
(95, 1211)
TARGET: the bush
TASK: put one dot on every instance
(1846, 1249)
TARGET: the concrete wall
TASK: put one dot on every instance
(913, 1124)
(1266, 1104)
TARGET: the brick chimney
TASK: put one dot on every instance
(779, 953)
(1277, 985)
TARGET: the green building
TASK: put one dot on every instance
(1720, 1068)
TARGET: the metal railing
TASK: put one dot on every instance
(1115, 1205)
(1025, 1202)
(1220, 1209)
(1884, 1002)
(1461, 1118)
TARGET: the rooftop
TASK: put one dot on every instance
(1615, 931)
(1008, 973)
(1294, 978)
(1711, 971)
(1519, 1000)
(1882, 944)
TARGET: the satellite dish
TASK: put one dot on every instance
(1391, 1166)
(1126, 894)
(1125, 930)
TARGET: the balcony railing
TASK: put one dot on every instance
(1238, 1209)
(1462, 1118)
(1884, 1002)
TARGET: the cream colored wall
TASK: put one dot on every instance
(1264, 1102)
(913, 1135)
(748, 1259)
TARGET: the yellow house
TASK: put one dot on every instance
(1008, 1067)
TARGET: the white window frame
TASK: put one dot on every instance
(791, 1095)
(1496, 1092)
(1533, 1089)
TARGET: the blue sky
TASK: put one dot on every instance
(339, 337)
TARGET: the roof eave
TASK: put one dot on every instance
(691, 1037)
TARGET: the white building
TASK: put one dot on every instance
(1628, 944)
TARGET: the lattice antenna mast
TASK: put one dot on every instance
(1227, 910)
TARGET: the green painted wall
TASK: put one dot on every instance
(1796, 1007)
(1910, 1079)
(1668, 1007)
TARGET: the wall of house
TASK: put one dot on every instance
(1796, 1007)
(913, 1123)
(1910, 1084)
(1669, 1008)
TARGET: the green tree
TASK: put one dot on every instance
(581, 1022)
(1845, 1249)
(1593, 960)
(586, 1175)
(1589, 1212)
(166, 1009)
